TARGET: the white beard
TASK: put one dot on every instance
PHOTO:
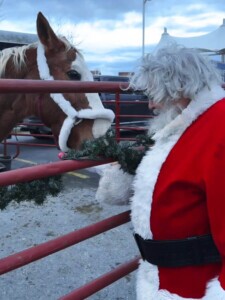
(164, 117)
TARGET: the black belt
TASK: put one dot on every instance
(197, 250)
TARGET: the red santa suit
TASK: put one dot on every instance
(179, 192)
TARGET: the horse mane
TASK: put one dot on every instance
(68, 45)
(18, 55)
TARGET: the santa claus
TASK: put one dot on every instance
(178, 206)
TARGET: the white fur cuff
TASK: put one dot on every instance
(114, 186)
(148, 286)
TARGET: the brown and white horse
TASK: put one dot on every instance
(72, 118)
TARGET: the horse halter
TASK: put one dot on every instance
(74, 117)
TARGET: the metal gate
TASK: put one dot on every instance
(30, 255)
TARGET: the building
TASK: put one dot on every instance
(10, 39)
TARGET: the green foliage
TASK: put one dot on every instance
(128, 154)
(36, 190)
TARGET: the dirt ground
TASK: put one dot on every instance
(25, 225)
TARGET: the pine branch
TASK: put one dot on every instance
(36, 190)
(128, 154)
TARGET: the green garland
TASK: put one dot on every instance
(128, 154)
(36, 190)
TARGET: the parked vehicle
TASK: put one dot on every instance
(35, 126)
(134, 107)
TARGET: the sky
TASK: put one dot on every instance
(109, 32)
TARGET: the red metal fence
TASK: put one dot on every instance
(8, 85)
(14, 176)
(27, 256)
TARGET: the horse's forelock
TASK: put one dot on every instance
(67, 43)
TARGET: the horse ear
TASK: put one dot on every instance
(46, 34)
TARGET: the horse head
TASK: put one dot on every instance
(73, 118)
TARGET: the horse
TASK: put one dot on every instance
(72, 118)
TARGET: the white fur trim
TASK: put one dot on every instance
(102, 121)
(88, 113)
(165, 139)
(214, 290)
(144, 182)
(65, 105)
(148, 286)
(64, 133)
(146, 177)
(42, 63)
(69, 122)
(114, 186)
(99, 113)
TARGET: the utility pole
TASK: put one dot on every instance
(143, 27)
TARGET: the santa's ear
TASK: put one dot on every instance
(46, 34)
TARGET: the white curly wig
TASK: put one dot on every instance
(173, 73)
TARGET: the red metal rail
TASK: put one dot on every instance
(11, 86)
(59, 86)
(103, 281)
(46, 170)
(29, 144)
(11, 177)
(27, 256)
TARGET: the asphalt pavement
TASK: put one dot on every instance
(37, 154)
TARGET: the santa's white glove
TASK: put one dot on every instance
(115, 185)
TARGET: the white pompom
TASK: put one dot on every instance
(115, 186)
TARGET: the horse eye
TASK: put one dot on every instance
(74, 75)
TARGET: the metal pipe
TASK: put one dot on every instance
(117, 118)
(32, 254)
(46, 170)
(12, 86)
(143, 27)
(103, 281)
